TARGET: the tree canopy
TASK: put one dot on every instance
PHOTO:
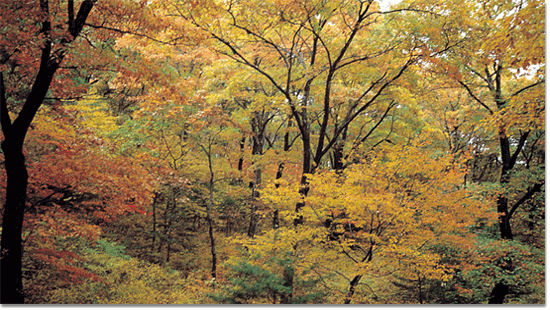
(272, 152)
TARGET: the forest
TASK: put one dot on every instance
(272, 152)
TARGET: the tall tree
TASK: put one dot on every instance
(60, 33)
(498, 60)
(54, 46)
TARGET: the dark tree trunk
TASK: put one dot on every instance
(155, 199)
(209, 210)
(338, 152)
(258, 124)
(493, 83)
(281, 168)
(17, 176)
(168, 249)
(253, 224)
(306, 168)
(420, 297)
(275, 219)
(212, 243)
(166, 227)
(504, 218)
(241, 159)
(352, 285)
(11, 263)
(501, 289)
(170, 216)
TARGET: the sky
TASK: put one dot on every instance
(384, 4)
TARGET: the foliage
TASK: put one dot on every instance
(288, 151)
(124, 280)
(252, 278)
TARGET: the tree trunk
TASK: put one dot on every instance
(168, 248)
(338, 152)
(253, 224)
(306, 169)
(165, 226)
(258, 124)
(211, 233)
(281, 168)
(241, 159)
(501, 289)
(493, 83)
(352, 285)
(209, 207)
(420, 299)
(16, 193)
(288, 276)
(157, 195)
(170, 216)
(504, 218)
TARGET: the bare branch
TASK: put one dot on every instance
(521, 143)
(475, 97)
(170, 42)
(528, 87)
(534, 189)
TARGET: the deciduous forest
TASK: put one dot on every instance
(272, 152)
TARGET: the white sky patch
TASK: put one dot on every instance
(385, 4)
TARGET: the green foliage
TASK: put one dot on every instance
(251, 282)
(476, 270)
(110, 248)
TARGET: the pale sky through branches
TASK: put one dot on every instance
(384, 4)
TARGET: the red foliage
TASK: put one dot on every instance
(63, 263)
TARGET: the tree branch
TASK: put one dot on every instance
(390, 106)
(475, 97)
(48, 67)
(527, 87)
(535, 189)
(85, 9)
(70, 8)
(521, 143)
(171, 42)
(5, 120)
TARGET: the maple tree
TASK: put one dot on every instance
(39, 40)
(52, 44)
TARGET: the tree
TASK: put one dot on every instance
(311, 59)
(385, 214)
(500, 72)
(502, 75)
(58, 33)
(74, 188)
(293, 45)
(54, 45)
